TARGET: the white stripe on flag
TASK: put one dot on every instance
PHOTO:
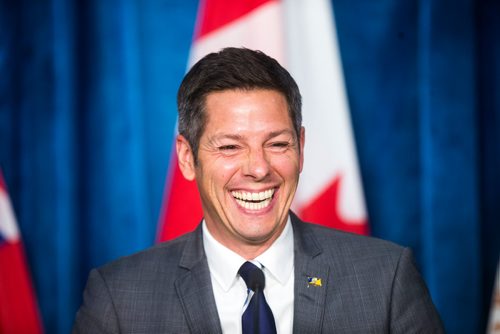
(261, 29)
(8, 225)
(314, 61)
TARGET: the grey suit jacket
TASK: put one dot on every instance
(367, 286)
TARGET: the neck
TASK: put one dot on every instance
(250, 252)
(248, 249)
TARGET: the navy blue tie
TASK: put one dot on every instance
(258, 317)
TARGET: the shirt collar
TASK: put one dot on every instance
(224, 263)
(278, 259)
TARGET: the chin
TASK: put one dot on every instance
(260, 234)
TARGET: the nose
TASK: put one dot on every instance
(257, 165)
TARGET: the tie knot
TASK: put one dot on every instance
(253, 276)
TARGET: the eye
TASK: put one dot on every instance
(279, 146)
(228, 148)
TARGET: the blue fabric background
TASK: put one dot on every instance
(87, 116)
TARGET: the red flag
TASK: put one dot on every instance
(18, 307)
(301, 36)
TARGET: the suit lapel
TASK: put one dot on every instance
(194, 288)
(310, 293)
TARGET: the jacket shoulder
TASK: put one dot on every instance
(159, 258)
(138, 291)
(354, 245)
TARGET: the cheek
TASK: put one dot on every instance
(286, 165)
(223, 173)
(228, 168)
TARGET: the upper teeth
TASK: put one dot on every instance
(247, 196)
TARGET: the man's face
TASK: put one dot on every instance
(248, 168)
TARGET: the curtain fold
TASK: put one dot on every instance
(448, 139)
(87, 115)
(426, 119)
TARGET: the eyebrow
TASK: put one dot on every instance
(240, 137)
(280, 132)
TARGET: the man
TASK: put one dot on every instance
(251, 262)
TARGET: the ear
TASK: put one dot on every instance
(302, 140)
(185, 157)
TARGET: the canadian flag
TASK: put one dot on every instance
(18, 307)
(301, 36)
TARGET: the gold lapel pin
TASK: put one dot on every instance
(314, 281)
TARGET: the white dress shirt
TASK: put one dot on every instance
(230, 291)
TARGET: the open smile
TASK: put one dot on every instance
(253, 200)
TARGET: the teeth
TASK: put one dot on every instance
(253, 205)
(259, 200)
(260, 196)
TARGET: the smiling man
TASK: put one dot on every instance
(252, 266)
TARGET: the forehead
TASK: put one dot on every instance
(240, 108)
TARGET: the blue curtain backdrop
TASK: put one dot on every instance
(87, 114)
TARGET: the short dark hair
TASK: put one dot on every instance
(231, 68)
